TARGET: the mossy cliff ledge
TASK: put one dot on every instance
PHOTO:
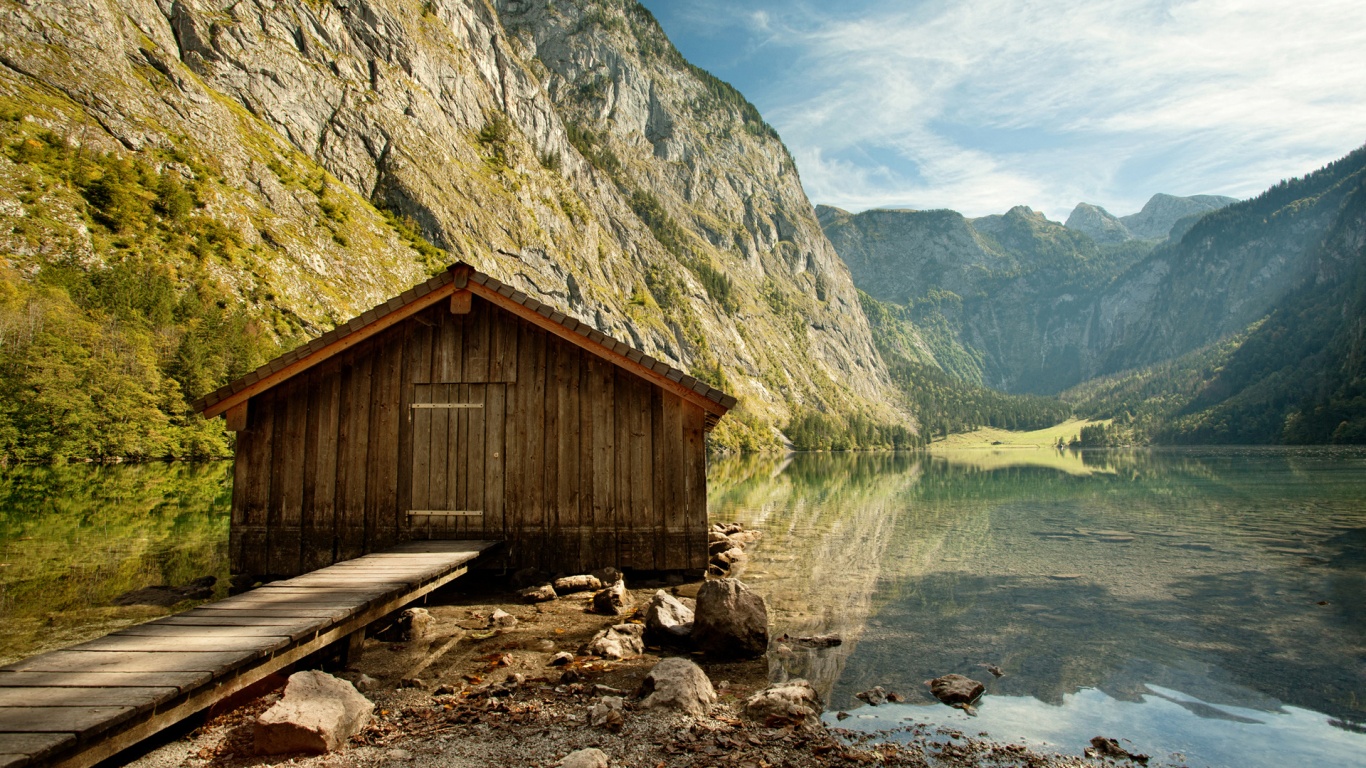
(192, 186)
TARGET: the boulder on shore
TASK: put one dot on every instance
(585, 758)
(730, 620)
(613, 601)
(581, 583)
(793, 700)
(318, 713)
(677, 683)
(540, 594)
(668, 618)
(618, 641)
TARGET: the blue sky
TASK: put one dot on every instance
(980, 105)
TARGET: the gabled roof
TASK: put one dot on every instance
(463, 277)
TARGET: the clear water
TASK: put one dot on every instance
(73, 538)
(1209, 606)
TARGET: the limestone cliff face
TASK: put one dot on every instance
(567, 150)
(685, 149)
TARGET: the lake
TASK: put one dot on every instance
(75, 538)
(1209, 606)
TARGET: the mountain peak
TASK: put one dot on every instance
(1098, 223)
(1162, 211)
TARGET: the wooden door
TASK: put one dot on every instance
(457, 460)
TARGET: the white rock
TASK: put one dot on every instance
(580, 583)
(678, 683)
(318, 713)
(618, 641)
(585, 758)
(667, 616)
(795, 700)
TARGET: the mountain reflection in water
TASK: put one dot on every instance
(1217, 584)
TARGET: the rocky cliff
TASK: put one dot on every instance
(286, 165)
(998, 299)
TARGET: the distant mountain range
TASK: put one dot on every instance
(1242, 323)
(1156, 221)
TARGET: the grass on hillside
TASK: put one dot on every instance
(991, 437)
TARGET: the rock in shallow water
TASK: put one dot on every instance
(955, 689)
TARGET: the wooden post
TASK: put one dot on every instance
(461, 302)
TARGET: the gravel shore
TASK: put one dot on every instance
(466, 695)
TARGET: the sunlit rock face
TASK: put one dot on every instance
(569, 151)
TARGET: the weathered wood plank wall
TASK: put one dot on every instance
(574, 462)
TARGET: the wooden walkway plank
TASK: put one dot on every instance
(214, 662)
(181, 681)
(217, 641)
(78, 706)
(82, 721)
(82, 697)
(219, 619)
(220, 629)
(22, 749)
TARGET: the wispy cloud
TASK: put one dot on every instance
(983, 104)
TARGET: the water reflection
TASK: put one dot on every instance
(1236, 580)
(73, 538)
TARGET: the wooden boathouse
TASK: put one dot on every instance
(464, 409)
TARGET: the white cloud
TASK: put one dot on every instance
(981, 105)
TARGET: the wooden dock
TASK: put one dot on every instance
(78, 706)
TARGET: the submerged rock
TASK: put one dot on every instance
(814, 641)
(875, 696)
